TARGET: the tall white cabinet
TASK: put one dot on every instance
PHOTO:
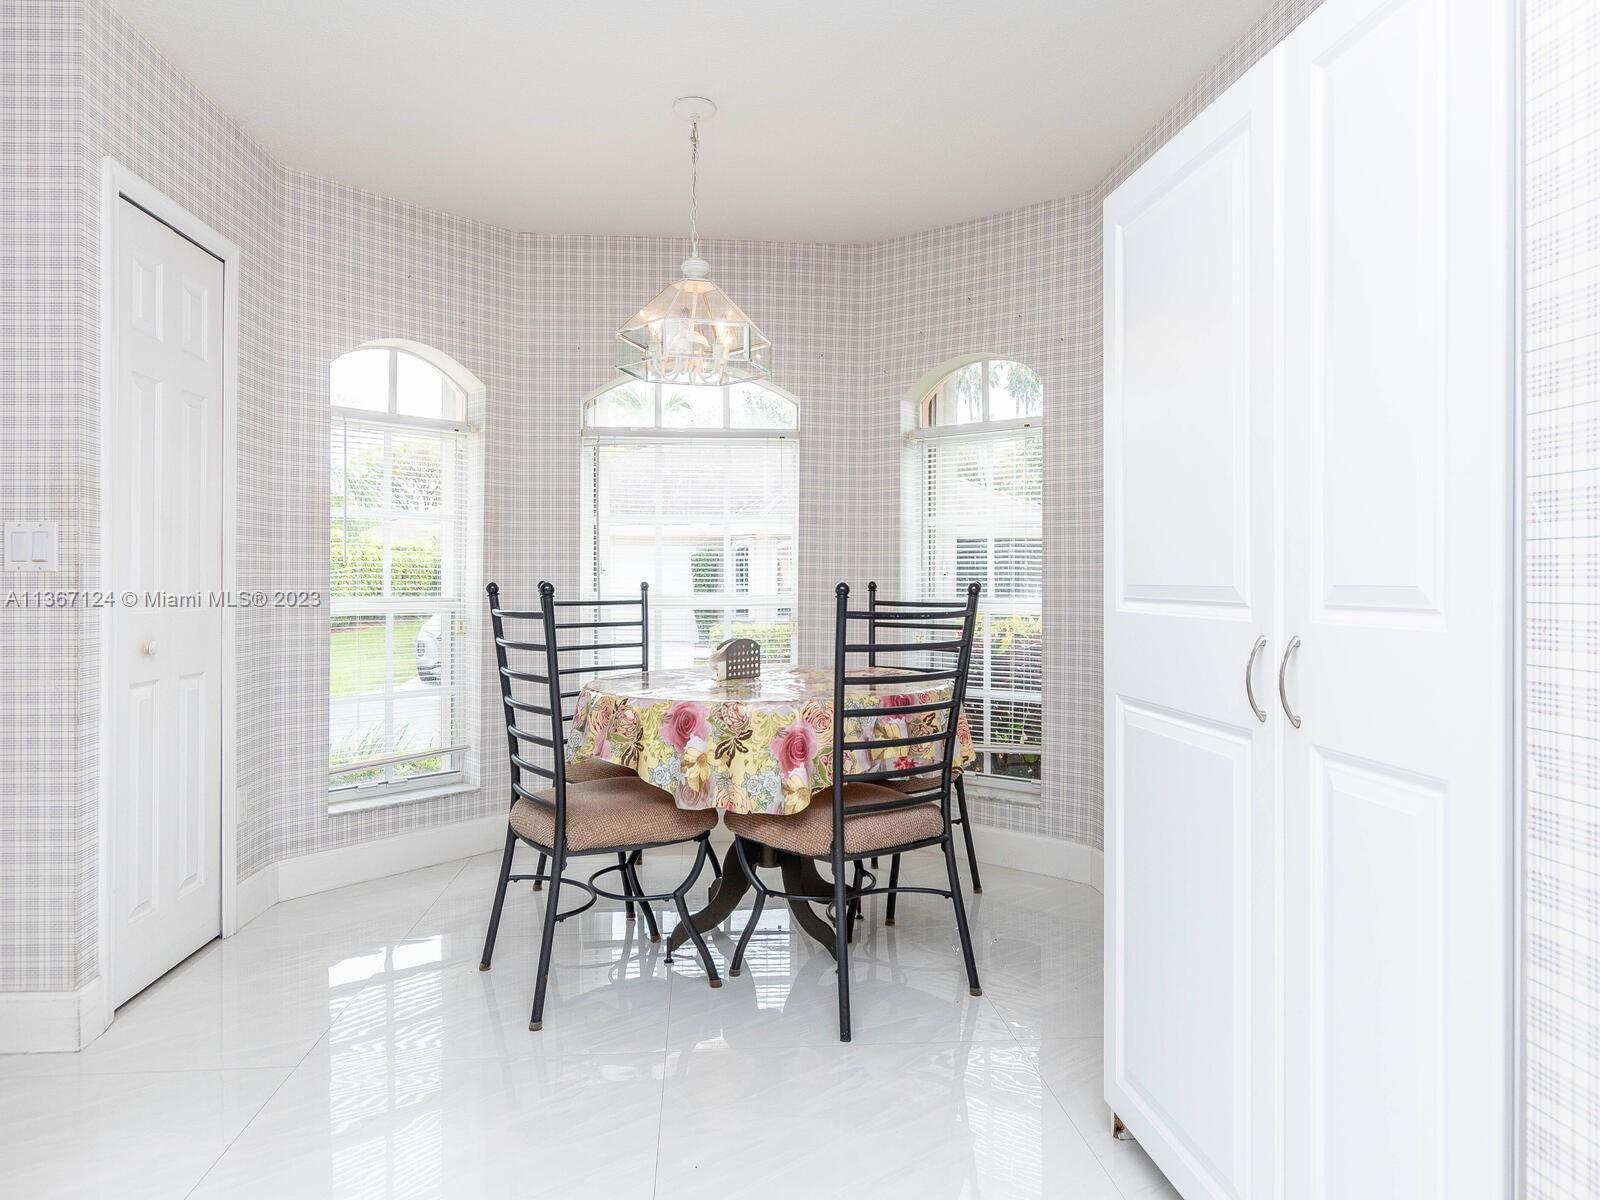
(1308, 434)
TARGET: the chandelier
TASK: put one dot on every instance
(691, 332)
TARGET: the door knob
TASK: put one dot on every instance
(1249, 681)
(1283, 695)
(148, 649)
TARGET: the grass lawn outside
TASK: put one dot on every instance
(355, 656)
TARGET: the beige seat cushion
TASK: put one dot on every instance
(810, 832)
(591, 769)
(917, 784)
(611, 812)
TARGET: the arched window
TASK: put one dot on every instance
(695, 490)
(975, 514)
(398, 711)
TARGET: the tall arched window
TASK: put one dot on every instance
(975, 514)
(695, 490)
(398, 709)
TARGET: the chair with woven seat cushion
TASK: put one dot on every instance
(864, 814)
(591, 769)
(616, 815)
(883, 612)
(619, 628)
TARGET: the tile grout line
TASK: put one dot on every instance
(1099, 1160)
(661, 1099)
(333, 1017)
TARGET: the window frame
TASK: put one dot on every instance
(458, 547)
(917, 435)
(728, 599)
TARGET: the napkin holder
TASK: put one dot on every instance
(737, 658)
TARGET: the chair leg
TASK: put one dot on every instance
(499, 899)
(841, 947)
(859, 881)
(551, 903)
(894, 882)
(716, 867)
(961, 915)
(688, 922)
(632, 876)
(539, 883)
(966, 832)
(627, 883)
(744, 938)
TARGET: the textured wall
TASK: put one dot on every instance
(1562, 636)
(156, 123)
(1021, 286)
(1026, 285)
(532, 317)
(326, 266)
(46, 456)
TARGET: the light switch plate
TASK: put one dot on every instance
(30, 546)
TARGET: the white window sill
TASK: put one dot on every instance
(437, 791)
(1022, 793)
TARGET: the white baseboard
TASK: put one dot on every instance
(34, 1022)
(253, 896)
(357, 863)
(1040, 855)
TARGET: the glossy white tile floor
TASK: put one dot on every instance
(347, 1045)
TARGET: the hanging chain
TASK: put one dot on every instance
(694, 189)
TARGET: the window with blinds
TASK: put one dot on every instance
(976, 516)
(695, 490)
(397, 575)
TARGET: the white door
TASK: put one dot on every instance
(1397, 786)
(1189, 397)
(163, 446)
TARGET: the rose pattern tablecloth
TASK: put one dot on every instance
(748, 746)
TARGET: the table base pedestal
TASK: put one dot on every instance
(800, 878)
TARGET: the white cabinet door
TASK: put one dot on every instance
(1189, 379)
(163, 448)
(1397, 580)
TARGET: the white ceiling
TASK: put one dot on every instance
(840, 120)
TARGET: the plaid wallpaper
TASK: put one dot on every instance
(327, 266)
(1026, 285)
(45, 455)
(1021, 286)
(1561, 316)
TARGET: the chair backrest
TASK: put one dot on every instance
(536, 712)
(950, 625)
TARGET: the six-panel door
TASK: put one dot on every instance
(163, 447)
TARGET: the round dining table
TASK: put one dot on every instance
(762, 745)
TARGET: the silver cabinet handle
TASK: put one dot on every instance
(1283, 696)
(1249, 682)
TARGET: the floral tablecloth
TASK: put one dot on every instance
(749, 746)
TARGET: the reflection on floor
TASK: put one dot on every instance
(347, 1045)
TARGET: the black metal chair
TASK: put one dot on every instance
(619, 816)
(926, 785)
(867, 816)
(591, 769)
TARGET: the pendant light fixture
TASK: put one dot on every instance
(691, 332)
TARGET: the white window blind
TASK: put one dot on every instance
(397, 572)
(695, 491)
(978, 517)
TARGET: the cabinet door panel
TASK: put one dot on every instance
(1397, 807)
(1190, 1015)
